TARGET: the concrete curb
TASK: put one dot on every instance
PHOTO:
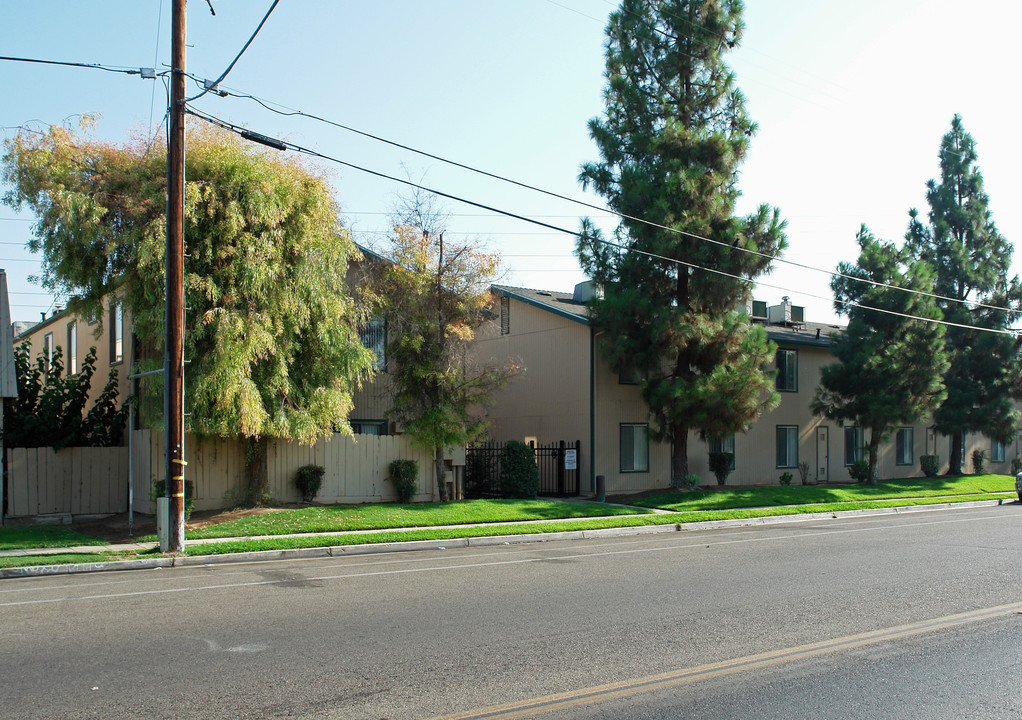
(491, 540)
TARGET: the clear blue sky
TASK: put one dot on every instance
(851, 99)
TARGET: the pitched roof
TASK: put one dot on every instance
(564, 304)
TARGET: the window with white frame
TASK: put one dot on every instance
(369, 427)
(787, 370)
(855, 444)
(724, 445)
(116, 332)
(787, 446)
(634, 447)
(48, 350)
(904, 447)
(72, 348)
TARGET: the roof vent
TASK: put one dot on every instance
(586, 291)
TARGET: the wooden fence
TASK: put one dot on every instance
(75, 481)
(85, 481)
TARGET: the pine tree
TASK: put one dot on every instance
(972, 260)
(673, 136)
(890, 367)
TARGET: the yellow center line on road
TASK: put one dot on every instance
(636, 686)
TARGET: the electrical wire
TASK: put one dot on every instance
(91, 66)
(231, 127)
(230, 67)
(625, 216)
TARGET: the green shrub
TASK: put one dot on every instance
(786, 478)
(519, 476)
(859, 471)
(720, 465)
(692, 481)
(979, 461)
(160, 490)
(930, 465)
(403, 474)
(308, 480)
(1016, 465)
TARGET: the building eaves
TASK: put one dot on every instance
(562, 304)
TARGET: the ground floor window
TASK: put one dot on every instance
(996, 451)
(855, 444)
(726, 445)
(787, 446)
(369, 427)
(904, 447)
(634, 447)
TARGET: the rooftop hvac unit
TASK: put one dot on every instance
(798, 314)
(759, 310)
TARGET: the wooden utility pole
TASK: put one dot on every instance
(173, 371)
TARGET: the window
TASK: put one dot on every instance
(904, 447)
(634, 447)
(996, 451)
(72, 347)
(855, 444)
(505, 315)
(629, 375)
(787, 370)
(369, 427)
(374, 336)
(725, 444)
(787, 446)
(116, 333)
(48, 350)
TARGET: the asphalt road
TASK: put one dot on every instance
(903, 616)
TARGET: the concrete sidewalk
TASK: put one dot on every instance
(372, 548)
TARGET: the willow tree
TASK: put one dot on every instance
(972, 261)
(891, 359)
(271, 336)
(673, 136)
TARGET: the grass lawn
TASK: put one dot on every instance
(778, 495)
(341, 518)
(18, 537)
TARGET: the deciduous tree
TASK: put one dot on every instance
(437, 295)
(673, 136)
(271, 335)
(890, 366)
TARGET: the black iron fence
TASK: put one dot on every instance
(557, 464)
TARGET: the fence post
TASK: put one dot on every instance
(560, 469)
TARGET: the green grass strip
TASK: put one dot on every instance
(775, 496)
(383, 516)
(26, 537)
(15, 561)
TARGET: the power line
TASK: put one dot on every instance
(625, 216)
(298, 148)
(92, 66)
(210, 86)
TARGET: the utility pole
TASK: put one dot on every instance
(173, 372)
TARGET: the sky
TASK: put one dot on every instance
(851, 100)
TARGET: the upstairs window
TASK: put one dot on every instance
(787, 370)
(505, 315)
(48, 350)
(116, 332)
(373, 336)
(72, 348)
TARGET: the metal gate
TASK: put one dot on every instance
(557, 464)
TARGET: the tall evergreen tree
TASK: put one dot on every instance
(971, 259)
(673, 136)
(890, 367)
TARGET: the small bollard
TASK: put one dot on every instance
(601, 488)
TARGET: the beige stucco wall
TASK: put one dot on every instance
(549, 397)
(550, 401)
